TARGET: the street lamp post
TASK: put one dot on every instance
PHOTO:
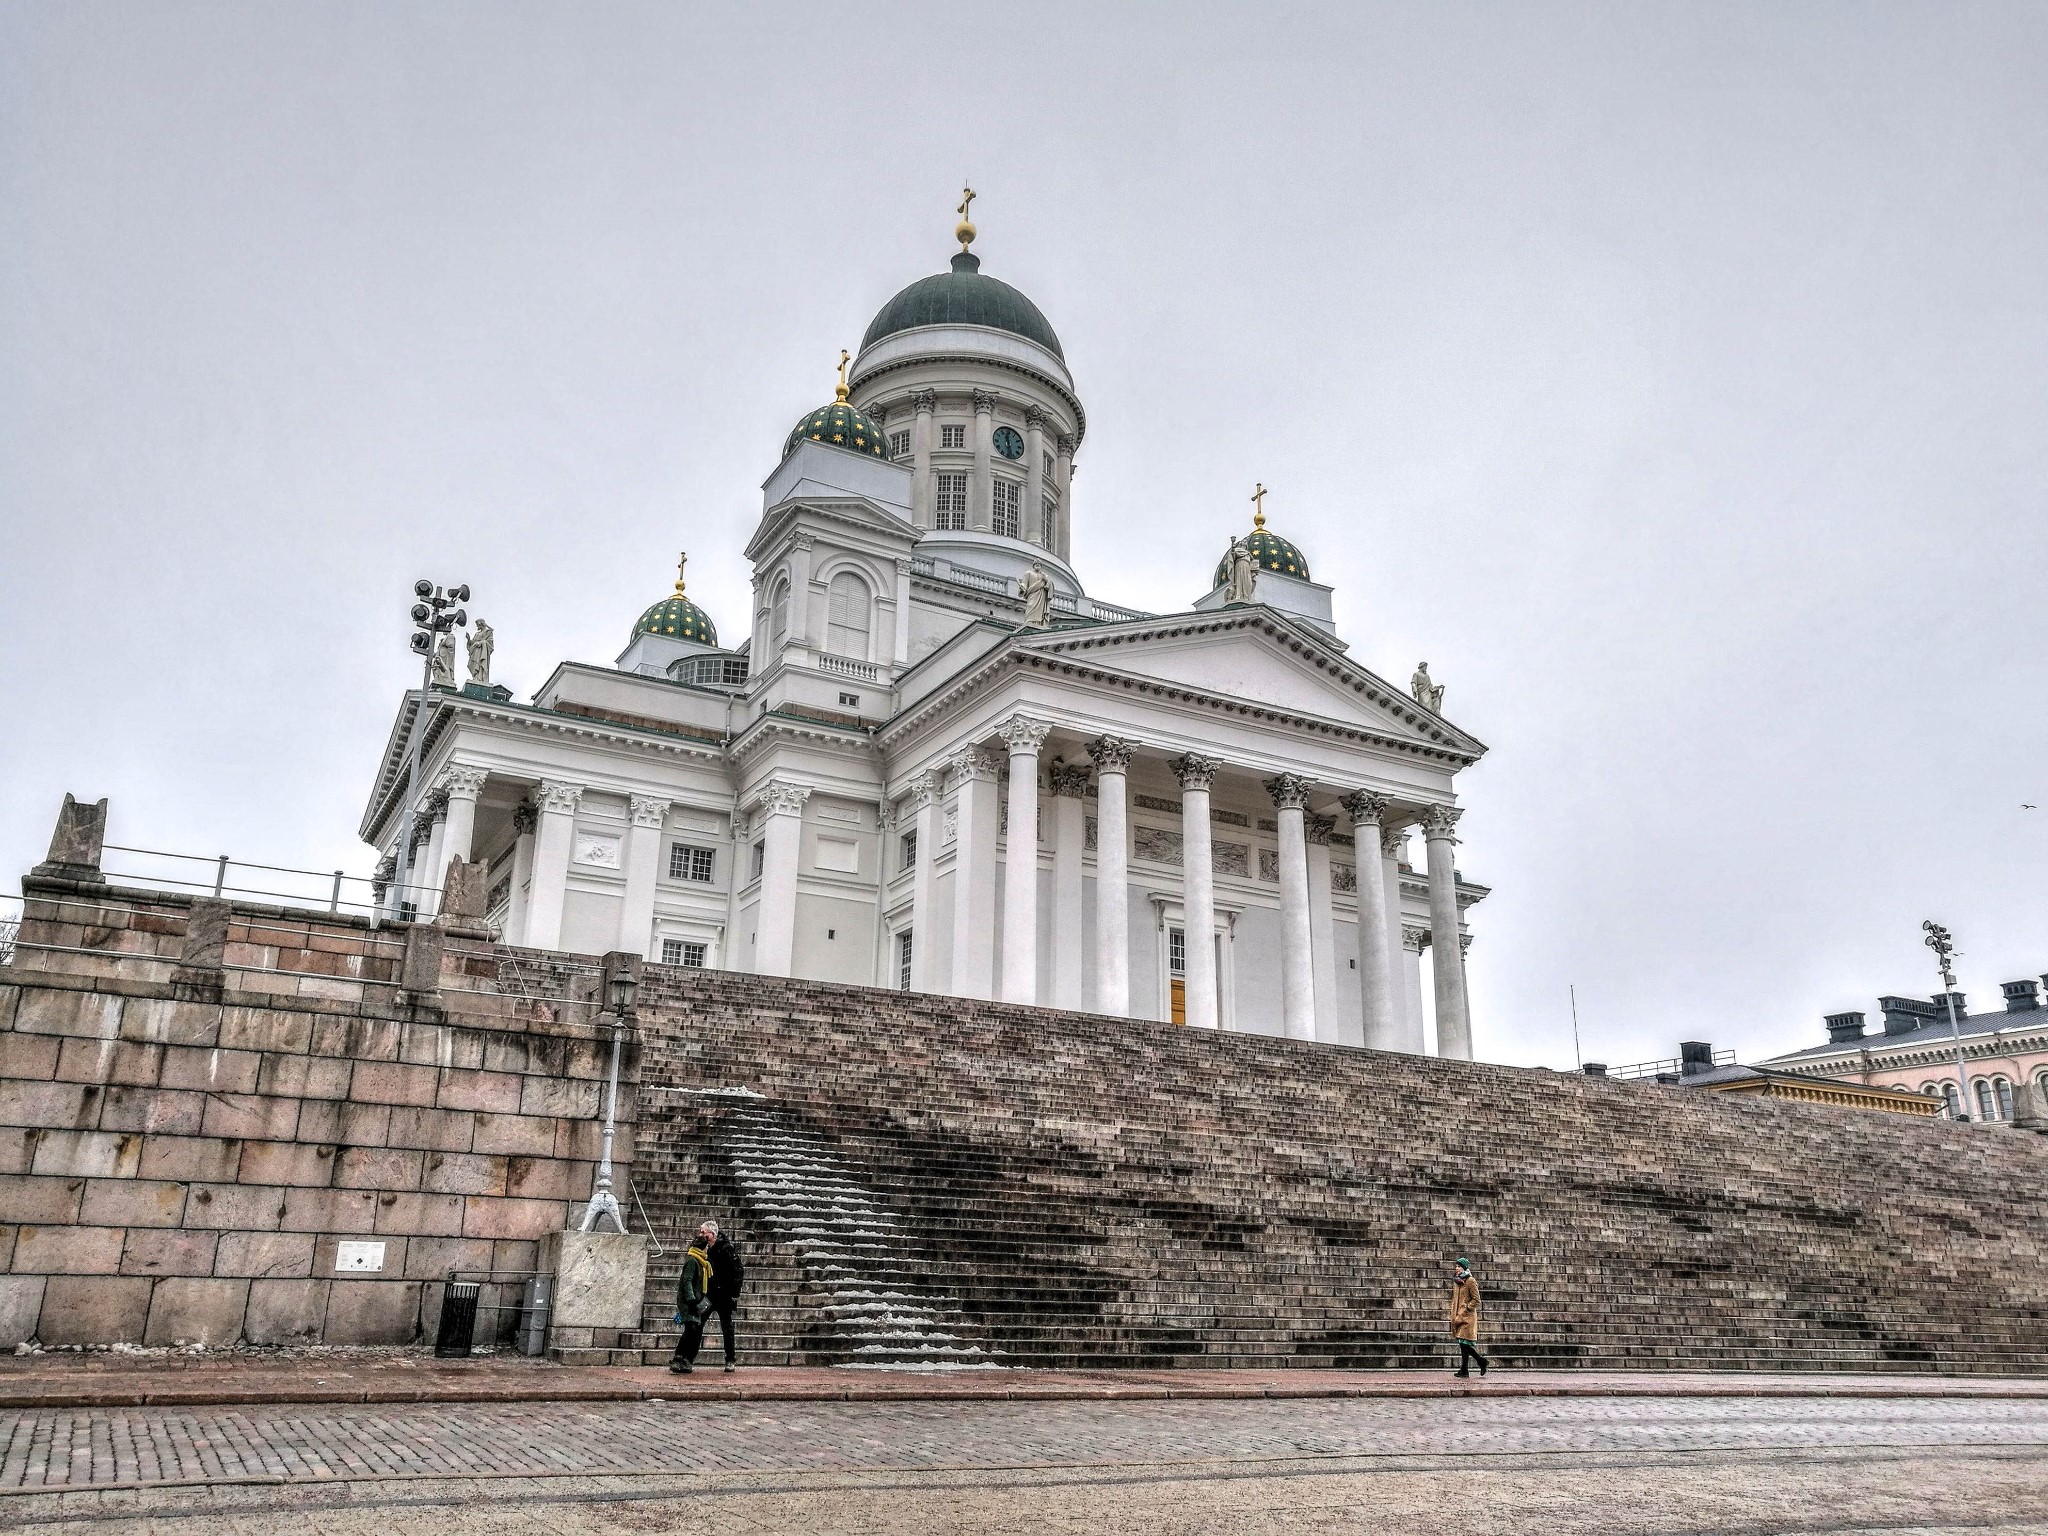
(621, 981)
(1944, 949)
(431, 619)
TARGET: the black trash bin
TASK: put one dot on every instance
(458, 1320)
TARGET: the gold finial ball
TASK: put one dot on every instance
(964, 232)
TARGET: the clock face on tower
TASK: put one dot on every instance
(1008, 443)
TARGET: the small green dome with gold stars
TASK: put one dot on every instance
(675, 617)
(1269, 551)
(840, 425)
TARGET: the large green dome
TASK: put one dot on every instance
(843, 427)
(963, 297)
(1270, 552)
(677, 618)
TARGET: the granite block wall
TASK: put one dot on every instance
(200, 1105)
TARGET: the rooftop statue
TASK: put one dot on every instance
(1242, 573)
(1429, 695)
(1036, 590)
(444, 660)
(481, 642)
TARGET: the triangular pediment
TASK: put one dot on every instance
(1262, 657)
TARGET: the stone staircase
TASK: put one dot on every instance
(926, 1183)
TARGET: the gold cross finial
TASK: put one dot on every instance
(681, 561)
(964, 231)
(1259, 507)
(842, 375)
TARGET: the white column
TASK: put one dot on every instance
(643, 867)
(901, 651)
(1322, 926)
(462, 785)
(1453, 1025)
(1198, 887)
(524, 819)
(1414, 940)
(1375, 954)
(1394, 847)
(981, 490)
(800, 591)
(1034, 481)
(974, 873)
(921, 486)
(1297, 963)
(1063, 479)
(1023, 736)
(1112, 877)
(428, 871)
(782, 804)
(924, 939)
(1069, 785)
(551, 846)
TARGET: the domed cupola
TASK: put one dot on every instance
(1269, 551)
(840, 425)
(963, 297)
(675, 617)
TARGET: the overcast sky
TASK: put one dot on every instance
(1672, 378)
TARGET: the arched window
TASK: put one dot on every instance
(1986, 1105)
(1953, 1100)
(846, 627)
(2041, 1081)
(2001, 1089)
(778, 611)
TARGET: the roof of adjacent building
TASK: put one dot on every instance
(964, 296)
(1934, 1032)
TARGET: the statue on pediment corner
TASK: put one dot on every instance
(1428, 694)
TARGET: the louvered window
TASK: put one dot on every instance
(846, 631)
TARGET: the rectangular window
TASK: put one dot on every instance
(682, 952)
(903, 943)
(1005, 520)
(899, 445)
(1176, 952)
(1046, 460)
(1049, 519)
(953, 436)
(760, 858)
(949, 502)
(908, 856)
(687, 863)
(850, 700)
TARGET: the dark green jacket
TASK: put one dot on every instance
(694, 1282)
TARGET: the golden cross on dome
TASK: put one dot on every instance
(681, 561)
(967, 196)
(1259, 507)
(964, 231)
(842, 375)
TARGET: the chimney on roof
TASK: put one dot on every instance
(1941, 1005)
(2021, 996)
(1695, 1056)
(1903, 1015)
(1844, 1027)
(1594, 1068)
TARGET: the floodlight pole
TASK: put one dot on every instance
(430, 620)
(1944, 949)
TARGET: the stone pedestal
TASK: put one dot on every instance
(599, 1280)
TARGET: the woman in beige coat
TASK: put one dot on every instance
(1465, 1319)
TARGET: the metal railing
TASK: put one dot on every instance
(1676, 1066)
(222, 875)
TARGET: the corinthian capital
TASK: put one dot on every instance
(779, 797)
(1194, 771)
(1034, 417)
(1068, 780)
(926, 401)
(1317, 829)
(984, 402)
(648, 811)
(1022, 734)
(1112, 754)
(557, 797)
(463, 783)
(1393, 842)
(1439, 822)
(1364, 807)
(1065, 445)
(920, 790)
(1414, 940)
(525, 817)
(972, 763)
(1289, 791)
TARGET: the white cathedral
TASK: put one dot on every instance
(1214, 806)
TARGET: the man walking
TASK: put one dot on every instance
(728, 1274)
(1465, 1318)
(693, 1305)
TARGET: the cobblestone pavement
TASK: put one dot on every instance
(1525, 1464)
